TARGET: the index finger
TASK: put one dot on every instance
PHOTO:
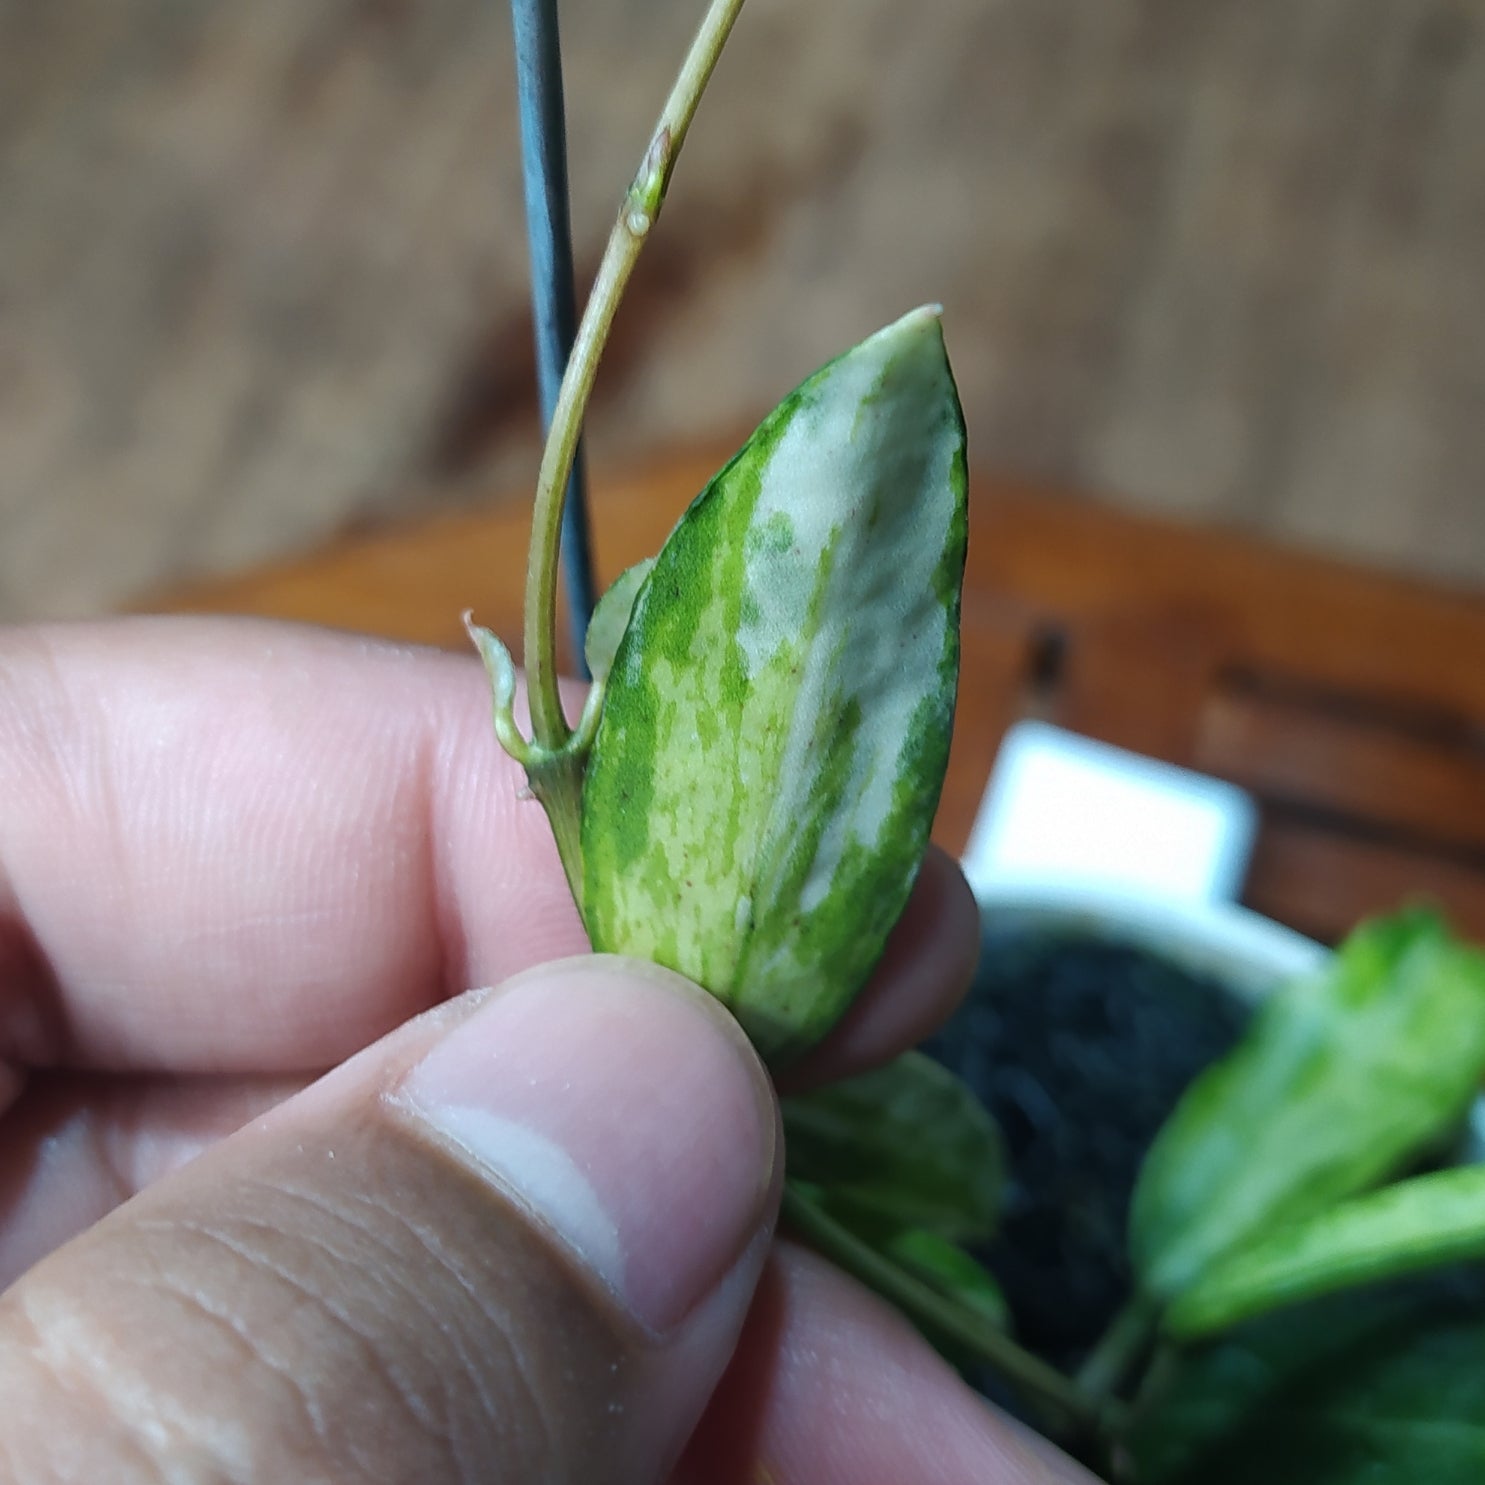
(235, 846)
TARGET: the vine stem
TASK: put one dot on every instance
(1119, 1348)
(941, 1316)
(637, 216)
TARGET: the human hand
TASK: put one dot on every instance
(515, 1237)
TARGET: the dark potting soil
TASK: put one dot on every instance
(1080, 1049)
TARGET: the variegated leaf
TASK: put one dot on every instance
(1431, 1221)
(1343, 1078)
(774, 737)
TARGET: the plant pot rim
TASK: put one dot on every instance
(1240, 948)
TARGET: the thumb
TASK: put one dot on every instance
(513, 1241)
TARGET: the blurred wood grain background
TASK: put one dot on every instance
(262, 268)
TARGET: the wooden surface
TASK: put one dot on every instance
(263, 276)
(1352, 704)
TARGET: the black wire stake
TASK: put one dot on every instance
(549, 234)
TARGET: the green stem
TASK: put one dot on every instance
(637, 215)
(938, 1315)
(556, 779)
(1119, 1348)
(1162, 1371)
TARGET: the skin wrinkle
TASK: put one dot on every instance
(51, 726)
(52, 742)
(395, 803)
(432, 774)
(431, 1243)
(461, 785)
(530, 1403)
(503, 1327)
(390, 1271)
(75, 1375)
(540, 1366)
(524, 1417)
(365, 1345)
(413, 799)
(407, 1397)
(222, 1319)
(91, 788)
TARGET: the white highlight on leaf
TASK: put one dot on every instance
(866, 495)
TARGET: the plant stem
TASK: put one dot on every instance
(939, 1315)
(636, 216)
(1119, 1348)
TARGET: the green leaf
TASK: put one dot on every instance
(776, 727)
(611, 618)
(895, 1260)
(950, 1270)
(1429, 1222)
(1342, 1078)
(906, 1163)
(908, 1145)
(1385, 1388)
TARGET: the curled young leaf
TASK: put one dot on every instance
(611, 618)
(1342, 1078)
(1428, 1222)
(776, 726)
(908, 1145)
(501, 670)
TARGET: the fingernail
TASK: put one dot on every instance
(625, 1112)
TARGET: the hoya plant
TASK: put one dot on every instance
(746, 798)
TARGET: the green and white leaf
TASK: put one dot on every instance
(1382, 1387)
(1428, 1222)
(776, 727)
(611, 618)
(1342, 1078)
(908, 1145)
